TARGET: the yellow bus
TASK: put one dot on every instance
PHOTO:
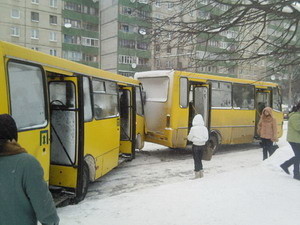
(230, 106)
(68, 115)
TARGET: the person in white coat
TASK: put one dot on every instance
(198, 135)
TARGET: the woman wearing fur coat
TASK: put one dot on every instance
(267, 130)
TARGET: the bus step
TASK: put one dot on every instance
(61, 197)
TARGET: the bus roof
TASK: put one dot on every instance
(28, 55)
(169, 73)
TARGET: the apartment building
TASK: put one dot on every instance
(34, 24)
(125, 36)
(80, 31)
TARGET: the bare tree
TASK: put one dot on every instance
(252, 30)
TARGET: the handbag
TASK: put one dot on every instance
(273, 148)
(207, 153)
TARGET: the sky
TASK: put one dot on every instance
(238, 188)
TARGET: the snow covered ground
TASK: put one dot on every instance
(238, 188)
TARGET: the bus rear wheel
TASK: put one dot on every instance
(213, 143)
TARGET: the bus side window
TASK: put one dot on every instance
(243, 96)
(221, 94)
(105, 99)
(276, 103)
(27, 94)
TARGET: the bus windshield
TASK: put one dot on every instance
(156, 88)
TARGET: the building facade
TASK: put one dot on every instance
(125, 36)
(34, 24)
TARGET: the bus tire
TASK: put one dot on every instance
(85, 184)
(213, 143)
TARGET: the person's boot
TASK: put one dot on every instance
(285, 168)
(201, 173)
(197, 175)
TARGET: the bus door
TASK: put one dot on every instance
(66, 150)
(200, 102)
(27, 96)
(262, 99)
(127, 121)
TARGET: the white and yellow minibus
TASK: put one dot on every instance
(68, 115)
(230, 106)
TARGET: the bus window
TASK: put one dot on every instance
(156, 88)
(221, 94)
(27, 94)
(276, 100)
(139, 102)
(183, 92)
(105, 99)
(87, 100)
(243, 96)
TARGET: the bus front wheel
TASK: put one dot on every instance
(84, 185)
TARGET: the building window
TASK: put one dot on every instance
(125, 28)
(126, 59)
(157, 48)
(34, 16)
(74, 23)
(15, 31)
(72, 55)
(90, 58)
(126, 11)
(53, 52)
(53, 3)
(158, 3)
(15, 13)
(157, 63)
(34, 34)
(53, 20)
(168, 64)
(127, 43)
(169, 49)
(143, 1)
(90, 41)
(72, 6)
(143, 61)
(35, 1)
(72, 39)
(142, 45)
(53, 36)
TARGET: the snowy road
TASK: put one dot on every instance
(156, 165)
(238, 188)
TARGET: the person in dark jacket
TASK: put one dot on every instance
(24, 195)
(293, 137)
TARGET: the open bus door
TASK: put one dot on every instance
(127, 121)
(200, 99)
(67, 165)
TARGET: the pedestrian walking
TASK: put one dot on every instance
(267, 130)
(24, 195)
(293, 137)
(198, 135)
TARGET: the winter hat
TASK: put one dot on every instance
(8, 128)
